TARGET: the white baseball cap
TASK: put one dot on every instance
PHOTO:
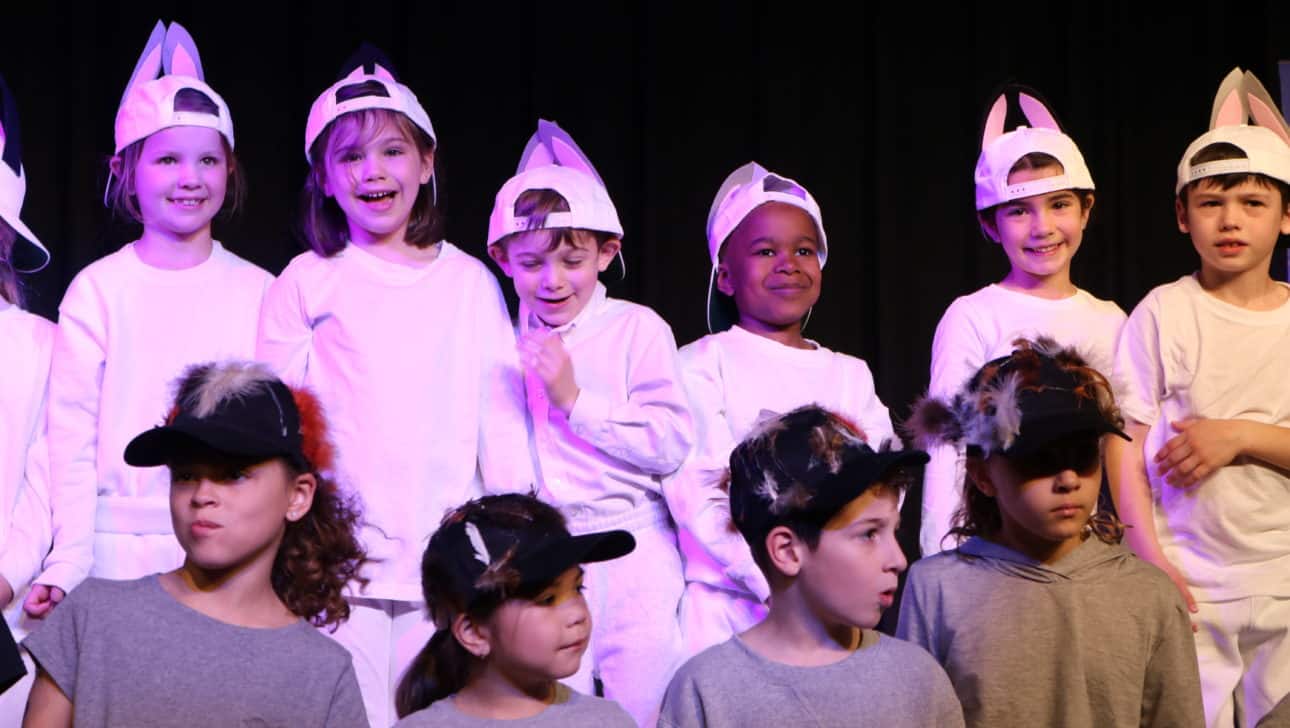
(32, 256)
(1266, 145)
(368, 64)
(743, 191)
(552, 160)
(1000, 151)
(148, 104)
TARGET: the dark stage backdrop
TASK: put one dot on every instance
(875, 107)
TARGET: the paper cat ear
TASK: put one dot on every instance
(10, 136)
(149, 64)
(1037, 112)
(179, 54)
(553, 145)
(1263, 108)
(369, 60)
(994, 120)
(1229, 103)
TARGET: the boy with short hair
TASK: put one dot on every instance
(768, 248)
(818, 510)
(1203, 359)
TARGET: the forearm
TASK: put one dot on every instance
(1268, 443)
(1131, 492)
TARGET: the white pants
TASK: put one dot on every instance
(383, 637)
(711, 615)
(1244, 650)
(635, 638)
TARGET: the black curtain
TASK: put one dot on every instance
(875, 107)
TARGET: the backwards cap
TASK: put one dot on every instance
(148, 105)
(744, 190)
(368, 64)
(552, 160)
(1266, 146)
(31, 256)
(1000, 151)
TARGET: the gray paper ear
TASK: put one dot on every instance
(1036, 113)
(179, 54)
(552, 145)
(994, 120)
(1229, 103)
(149, 64)
(1263, 108)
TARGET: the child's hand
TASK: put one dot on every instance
(542, 352)
(41, 600)
(1201, 447)
(1181, 583)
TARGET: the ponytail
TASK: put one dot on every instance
(441, 668)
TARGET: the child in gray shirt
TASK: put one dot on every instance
(817, 507)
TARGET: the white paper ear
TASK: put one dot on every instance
(1229, 103)
(179, 53)
(149, 64)
(994, 121)
(1036, 113)
(382, 72)
(1263, 108)
(553, 145)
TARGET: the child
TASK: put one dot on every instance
(133, 320)
(269, 547)
(818, 509)
(1033, 197)
(1203, 361)
(503, 585)
(406, 340)
(1039, 616)
(767, 245)
(609, 413)
(29, 339)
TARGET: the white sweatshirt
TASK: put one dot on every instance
(126, 332)
(629, 427)
(731, 378)
(417, 372)
(979, 327)
(26, 343)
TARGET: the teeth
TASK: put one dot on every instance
(374, 196)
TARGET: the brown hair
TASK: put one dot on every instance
(536, 205)
(443, 666)
(1223, 150)
(121, 197)
(322, 223)
(10, 288)
(1032, 161)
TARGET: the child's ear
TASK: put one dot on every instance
(471, 635)
(980, 475)
(724, 284)
(117, 166)
(1180, 210)
(301, 496)
(988, 228)
(1086, 205)
(427, 166)
(498, 253)
(606, 254)
(785, 550)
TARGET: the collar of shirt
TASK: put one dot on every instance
(567, 332)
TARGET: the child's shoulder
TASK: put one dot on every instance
(1183, 291)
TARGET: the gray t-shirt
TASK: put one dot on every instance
(569, 710)
(886, 682)
(126, 653)
(1099, 638)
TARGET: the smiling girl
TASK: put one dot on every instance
(406, 340)
(130, 322)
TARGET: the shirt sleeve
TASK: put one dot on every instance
(694, 494)
(1138, 374)
(56, 646)
(75, 386)
(347, 707)
(1171, 688)
(30, 534)
(874, 419)
(682, 704)
(957, 352)
(652, 429)
(505, 459)
(285, 334)
(915, 625)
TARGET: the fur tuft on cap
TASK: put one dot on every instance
(205, 387)
(315, 444)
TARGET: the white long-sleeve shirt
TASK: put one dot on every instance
(731, 378)
(630, 425)
(979, 327)
(26, 343)
(417, 372)
(126, 332)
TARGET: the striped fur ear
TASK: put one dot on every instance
(932, 422)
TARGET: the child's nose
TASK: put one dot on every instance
(1065, 481)
(204, 493)
(1041, 224)
(1229, 216)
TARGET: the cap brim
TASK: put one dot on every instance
(159, 445)
(549, 561)
(32, 255)
(1037, 434)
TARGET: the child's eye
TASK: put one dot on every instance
(764, 252)
(805, 251)
(210, 161)
(393, 151)
(1061, 204)
(574, 262)
(1014, 211)
(166, 160)
(545, 600)
(530, 265)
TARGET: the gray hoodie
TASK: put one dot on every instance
(1099, 638)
